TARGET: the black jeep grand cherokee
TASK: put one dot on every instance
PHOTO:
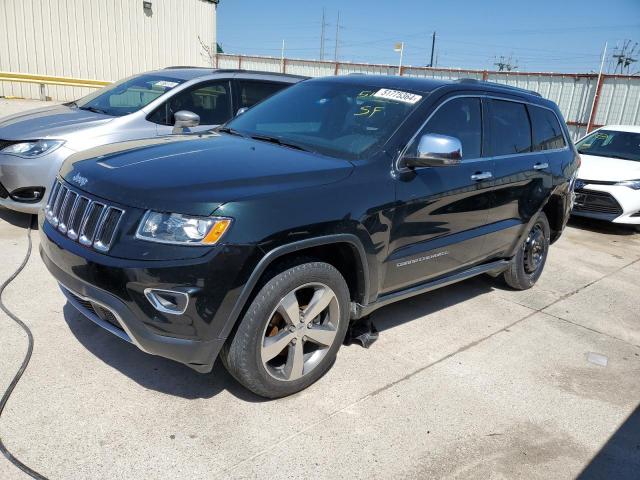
(261, 241)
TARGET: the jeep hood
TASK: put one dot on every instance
(58, 121)
(195, 174)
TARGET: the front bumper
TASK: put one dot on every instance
(110, 292)
(613, 203)
(17, 173)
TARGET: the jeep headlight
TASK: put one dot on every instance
(635, 184)
(180, 229)
(33, 148)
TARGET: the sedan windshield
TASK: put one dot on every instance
(613, 144)
(342, 120)
(128, 95)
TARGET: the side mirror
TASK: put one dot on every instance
(241, 111)
(184, 119)
(435, 150)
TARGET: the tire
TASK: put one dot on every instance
(277, 312)
(526, 266)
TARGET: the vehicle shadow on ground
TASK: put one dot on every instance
(434, 301)
(149, 371)
(172, 378)
(18, 219)
(620, 457)
(601, 226)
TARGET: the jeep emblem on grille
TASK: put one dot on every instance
(80, 180)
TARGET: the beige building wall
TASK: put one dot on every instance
(99, 39)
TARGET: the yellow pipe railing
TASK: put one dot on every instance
(51, 80)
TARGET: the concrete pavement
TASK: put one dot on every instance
(11, 106)
(473, 380)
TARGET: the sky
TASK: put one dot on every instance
(540, 35)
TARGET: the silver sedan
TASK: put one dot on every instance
(34, 144)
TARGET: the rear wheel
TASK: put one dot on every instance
(527, 265)
(291, 332)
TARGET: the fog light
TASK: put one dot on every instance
(28, 194)
(167, 301)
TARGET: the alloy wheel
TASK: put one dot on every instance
(300, 331)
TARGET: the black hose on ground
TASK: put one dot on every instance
(25, 362)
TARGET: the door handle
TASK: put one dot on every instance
(540, 166)
(481, 176)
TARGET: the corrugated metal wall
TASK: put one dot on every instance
(99, 39)
(619, 100)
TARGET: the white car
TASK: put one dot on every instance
(608, 183)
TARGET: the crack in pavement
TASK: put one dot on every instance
(613, 337)
(430, 365)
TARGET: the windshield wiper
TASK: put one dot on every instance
(93, 109)
(230, 131)
(279, 141)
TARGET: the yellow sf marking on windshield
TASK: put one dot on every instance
(368, 111)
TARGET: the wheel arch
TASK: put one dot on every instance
(556, 211)
(320, 248)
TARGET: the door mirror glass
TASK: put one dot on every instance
(435, 150)
(185, 119)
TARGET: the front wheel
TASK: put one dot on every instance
(291, 332)
(527, 265)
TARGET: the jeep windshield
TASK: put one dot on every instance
(341, 120)
(128, 95)
(613, 144)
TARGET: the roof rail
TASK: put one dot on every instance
(234, 70)
(240, 70)
(499, 85)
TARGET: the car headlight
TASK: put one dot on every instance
(635, 184)
(182, 229)
(33, 148)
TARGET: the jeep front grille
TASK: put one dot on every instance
(89, 222)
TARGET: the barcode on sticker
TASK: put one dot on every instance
(398, 95)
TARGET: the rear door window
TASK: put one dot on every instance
(510, 128)
(210, 100)
(547, 133)
(251, 92)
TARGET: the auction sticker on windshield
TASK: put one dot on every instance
(398, 95)
(165, 84)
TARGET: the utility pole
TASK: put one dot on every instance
(282, 57)
(399, 47)
(597, 92)
(322, 36)
(433, 47)
(335, 54)
(506, 64)
(624, 57)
